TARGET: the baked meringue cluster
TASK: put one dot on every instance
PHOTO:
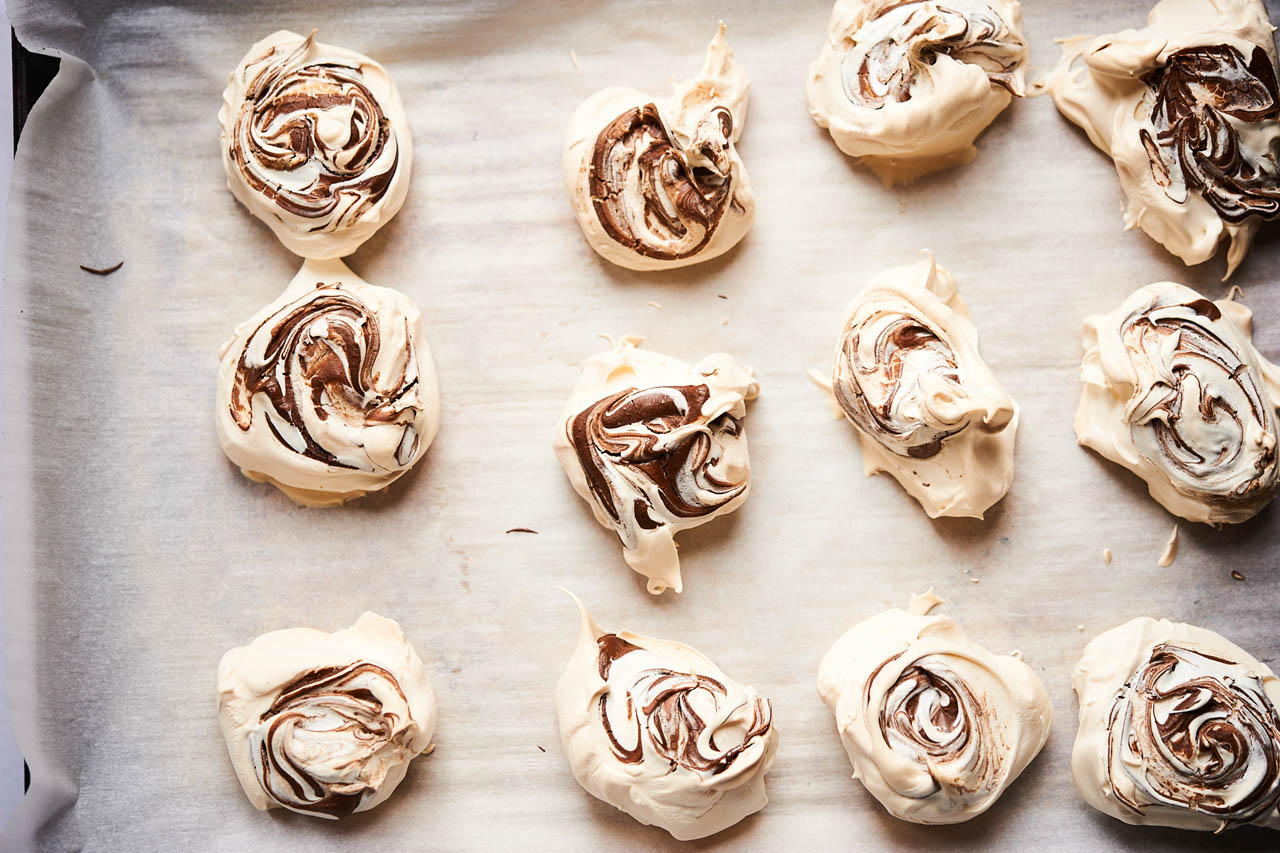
(655, 729)
(927, 409)
(1188, 108)
(329, 392)
(315, 143)
(936, 726)
(1178, 727)
(656, 446)
(906, 87)
(1175, 392)
(656, 183)
(325, 724)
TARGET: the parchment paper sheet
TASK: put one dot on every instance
(136, 554)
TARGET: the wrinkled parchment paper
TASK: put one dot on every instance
(136, 554)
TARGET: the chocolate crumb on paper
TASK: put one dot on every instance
(102, 270)
(540, 747)
(523, 530)
(1237, 575)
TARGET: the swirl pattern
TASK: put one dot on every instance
(329, 387)
(1189, 730)
(1196, 95)
(1193, 396)
(898, 43)
(316, 143)
(322, 745)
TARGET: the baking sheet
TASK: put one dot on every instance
(135, 554)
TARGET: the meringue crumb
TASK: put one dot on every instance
(1170, 549)
(1237, 575)
(974, 580)
(1106, 556)
(573, 57)
(724, 322)
(1079, 627)
(653, 304)
(1016, 654)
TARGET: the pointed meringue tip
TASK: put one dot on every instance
(586, 624)
(922, 603)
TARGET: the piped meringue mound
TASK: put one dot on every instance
(325, 724)
(1188, 108)
(329, 392)
(655, 447)
(936, 726)
(927, 409)
(1175, 392)
(315, 143)
(656, 183)
(655, 729)
(907, 87)
(1178, 727)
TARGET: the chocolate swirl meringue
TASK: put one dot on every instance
(656, 446)
(657, 183)
(936, 726)
(315, 143)
(325, 724)
(329, 392)
(655, 729)
(927, 409)
(1189, 110)
(1175, 392)
(1178, 727)
(907, 87)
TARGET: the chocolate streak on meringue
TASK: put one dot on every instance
(277, 130)
(631, 430)
(1194, 92)
(1193, 737)
(311, 697)
(895, 344)
(886, 70)
(659, 701)
(334, 340)
(1197, 360)
(679, 202)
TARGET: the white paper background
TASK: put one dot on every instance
(142, 554)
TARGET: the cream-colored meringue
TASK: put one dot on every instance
(325, 724)
(315, 143)
(657, 183)
(656, 446)
(907, 87)
(936, 726)
(329, 392)
(1175, 392)
(657, 730)
(1184, 142)
(1178, 727)
(927, 409)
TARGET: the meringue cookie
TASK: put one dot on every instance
(907, 87)
(1178, 727)
(936, 726)
(655, 729)
(656, 446)
(315, 143)
(325, 724)
(329, 392)
(1189, 110)
(1175, 392)
(926, 407)
(657, 183)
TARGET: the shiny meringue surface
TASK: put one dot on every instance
(315, 143)
(936, 726)
(657, 183)
(656, 446)
(657, 730)
(1175, 391)
(1188, 108)
(329, 392)
(927, 409)
(907, 87)
(325, 724)
(1178, 727)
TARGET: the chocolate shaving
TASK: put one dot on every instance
(522, 530)
(102, 270)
